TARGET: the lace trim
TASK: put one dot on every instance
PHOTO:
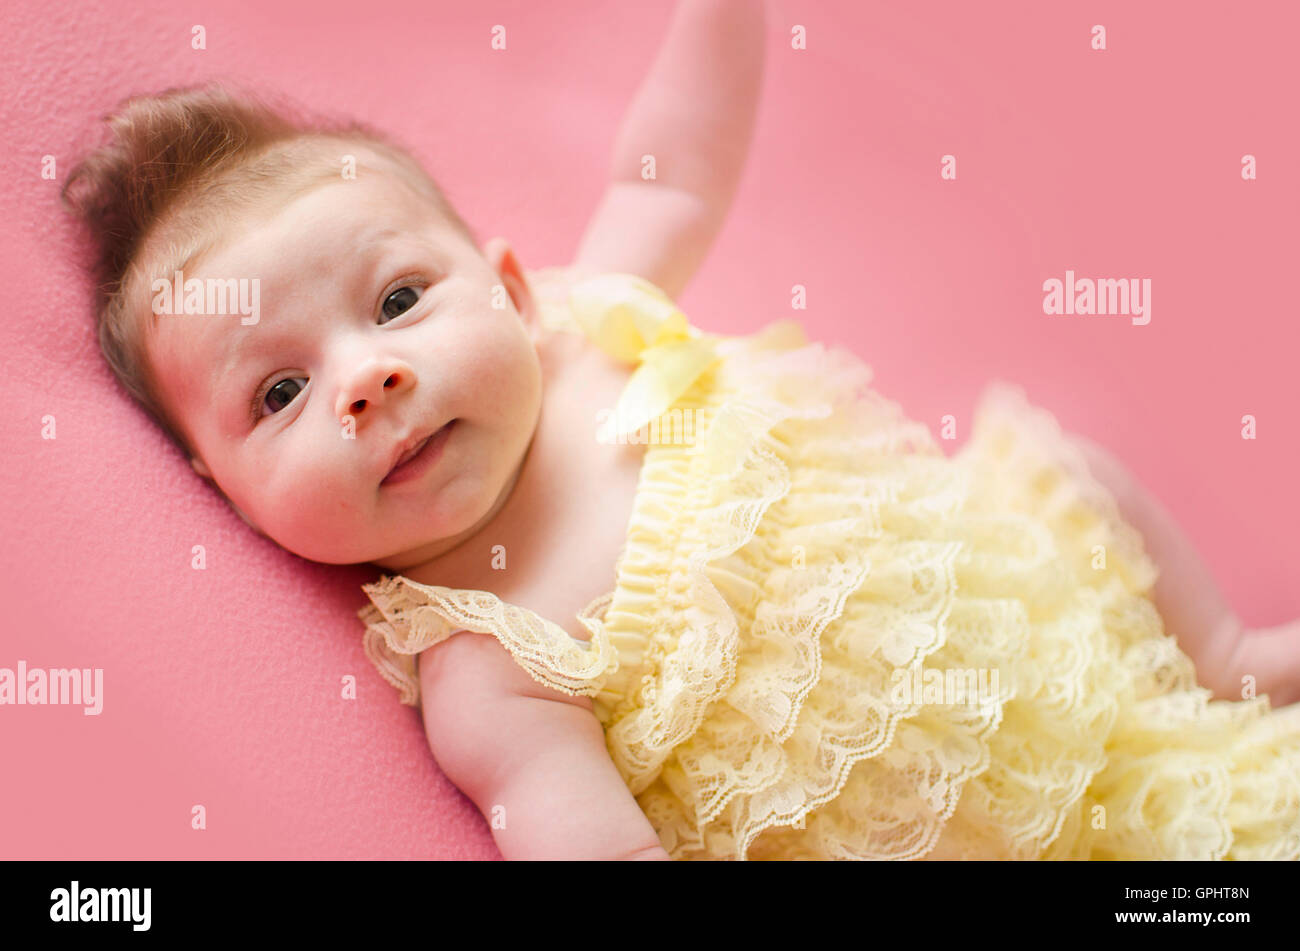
(406, 618)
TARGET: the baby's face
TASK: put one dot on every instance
(378, 323)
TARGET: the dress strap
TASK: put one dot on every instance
(636, 322)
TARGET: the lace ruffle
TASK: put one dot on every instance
(793, 553)
(405, 618)
(1110, 749)
(763, 725)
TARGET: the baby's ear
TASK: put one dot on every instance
(502, 257)
(200, 467)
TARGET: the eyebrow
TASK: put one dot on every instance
(375, 244)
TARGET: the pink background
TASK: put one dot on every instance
(222, 686)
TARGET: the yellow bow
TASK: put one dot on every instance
(634, 321)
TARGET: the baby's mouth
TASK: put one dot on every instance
(409, 455)
(420, 457)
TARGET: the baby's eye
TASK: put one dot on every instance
(283, 393)
(400, 301)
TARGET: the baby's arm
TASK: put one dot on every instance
(532, 759)
(694, 114)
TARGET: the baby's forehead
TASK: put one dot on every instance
(200, 228)
(318, 219)
(325, 230)
(243, 198)
(322, 230)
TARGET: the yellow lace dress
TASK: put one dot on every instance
(828, 639)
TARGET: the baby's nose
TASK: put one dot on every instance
(368, 387)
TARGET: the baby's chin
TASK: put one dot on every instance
(341, 544)
(457, 517)
(353, 555)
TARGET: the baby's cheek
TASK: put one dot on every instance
(483, 364)
(316, 515)
(506, 378)
(494, 355)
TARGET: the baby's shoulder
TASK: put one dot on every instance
(550, 287)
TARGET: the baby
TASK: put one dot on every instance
(409, 397)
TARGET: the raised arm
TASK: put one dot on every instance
(694, 113)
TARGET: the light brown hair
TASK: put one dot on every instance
(176, 163)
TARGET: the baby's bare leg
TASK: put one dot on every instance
(1193, 607)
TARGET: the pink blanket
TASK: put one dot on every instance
(223, 687)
